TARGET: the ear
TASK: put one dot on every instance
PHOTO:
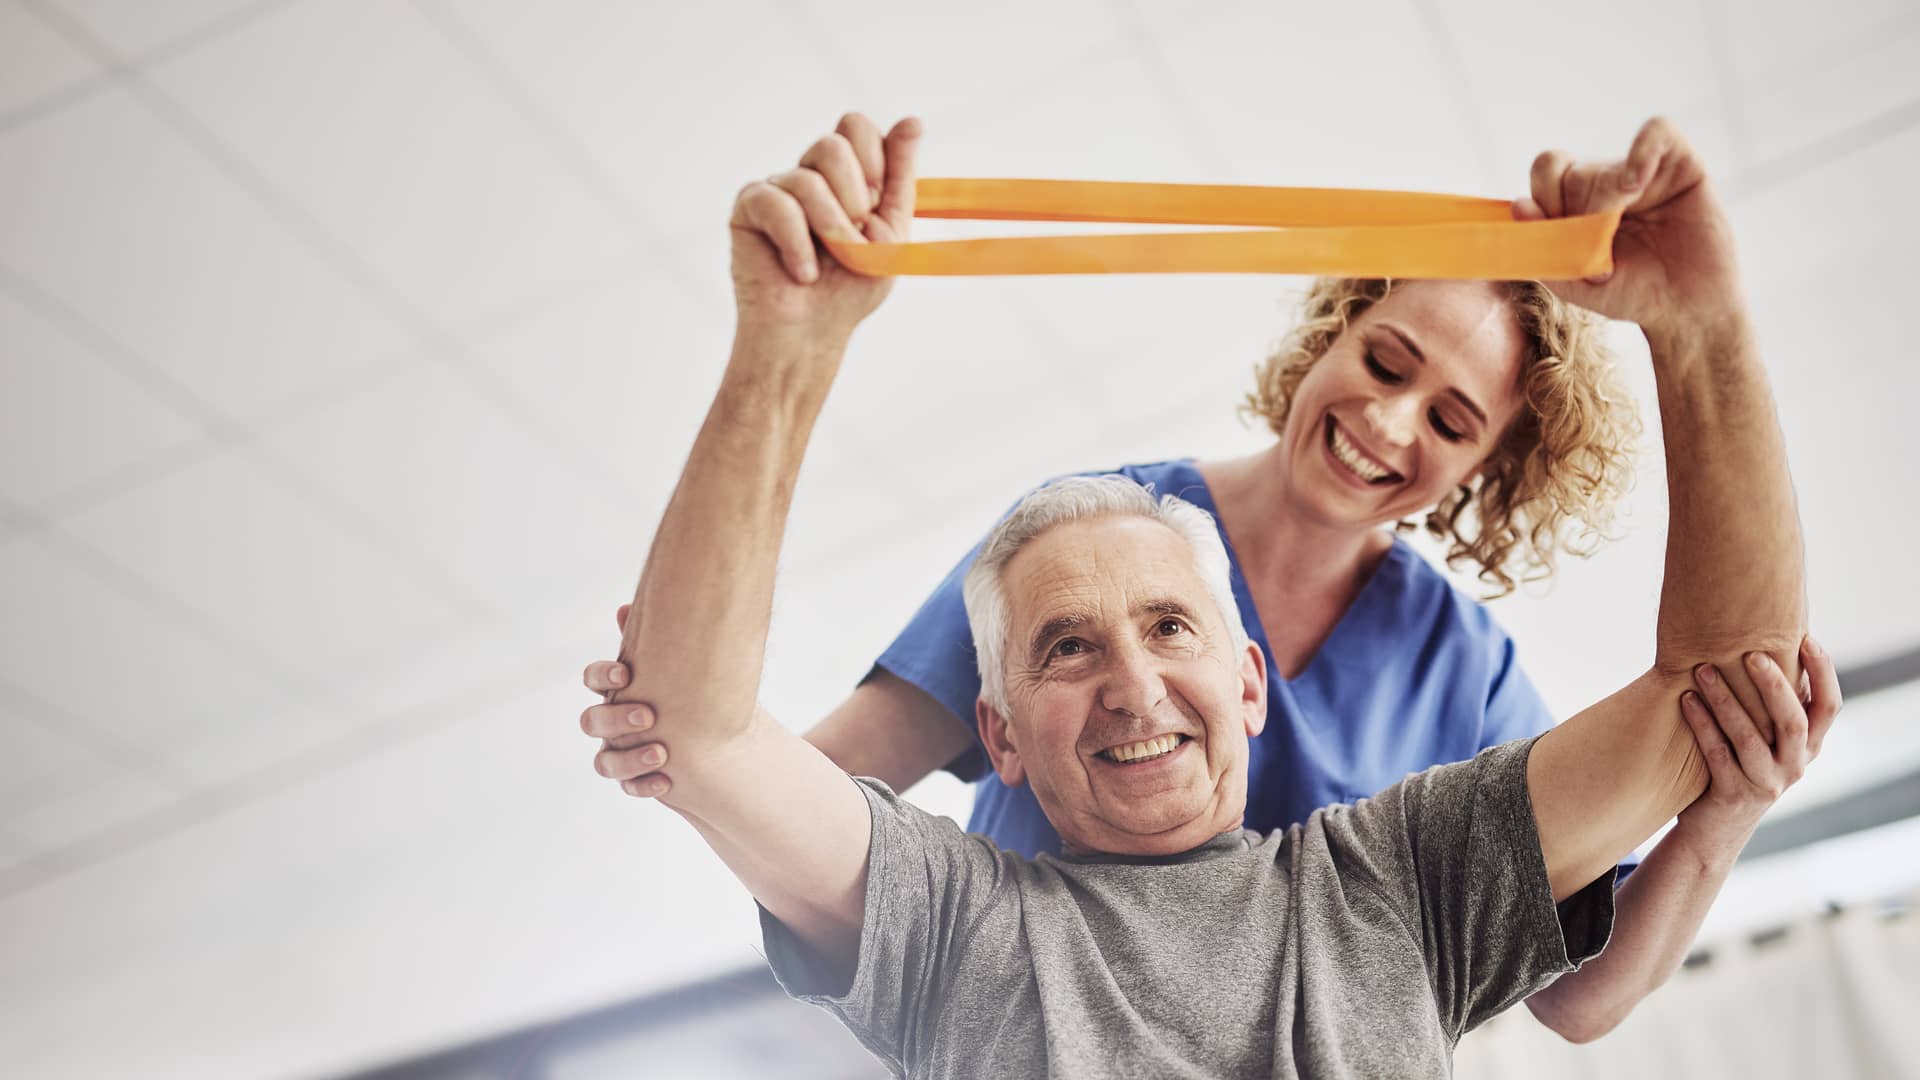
(996, 734)
(1253, 688)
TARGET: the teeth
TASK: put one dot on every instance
(1352, 458)
(1154, 747)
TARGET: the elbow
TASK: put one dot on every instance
(1574, 1024)
(1676, 657)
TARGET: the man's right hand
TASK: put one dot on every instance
(625, 753)
(851, 185)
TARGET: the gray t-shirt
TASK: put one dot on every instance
(1363, 942)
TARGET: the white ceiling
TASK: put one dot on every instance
(351, 350)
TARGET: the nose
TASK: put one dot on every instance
(1394, 419)
(1133, 685)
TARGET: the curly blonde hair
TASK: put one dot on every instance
(1552, 480)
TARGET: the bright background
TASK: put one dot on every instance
(351, 350)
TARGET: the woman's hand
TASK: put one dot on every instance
(1749, 770)
(625, 754)
(1673, 256)
(853, 185)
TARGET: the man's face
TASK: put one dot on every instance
(1131, 706)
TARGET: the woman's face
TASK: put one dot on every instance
(1405, 405)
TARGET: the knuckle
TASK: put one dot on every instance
(835, 144)
(807, 183)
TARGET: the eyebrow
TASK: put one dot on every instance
(1052, 628)
(1407, 342)
(1064, 624)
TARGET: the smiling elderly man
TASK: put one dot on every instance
(1120, 685)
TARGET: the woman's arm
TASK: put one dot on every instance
(1660, 908)
(888, 729)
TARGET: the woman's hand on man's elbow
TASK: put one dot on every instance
(1752, 761)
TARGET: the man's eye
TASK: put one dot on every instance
(1170, 627)
(1380, 371)
(1069, 647)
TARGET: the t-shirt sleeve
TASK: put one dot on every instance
(1457, 847)
(927, 886)
(935, 653)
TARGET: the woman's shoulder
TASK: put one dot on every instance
(1426, 599)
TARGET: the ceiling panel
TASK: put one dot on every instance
(35, 62)
(927, 60)
(106, 797)
(72, 633)
(1585, 80)
(622, 371)
(1767, 45)
(1801, 104)
(134, 27)
(158, 256)
(727, 93)
(1831, 290)
(423, 456)
(65, 417)
(413, 163)
(227, 543)
(1300, 95)
(40, 761)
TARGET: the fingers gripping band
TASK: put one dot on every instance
(1336, 231)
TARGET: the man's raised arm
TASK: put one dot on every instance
(1607, 778)
(789, 823)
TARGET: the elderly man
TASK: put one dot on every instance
(1121, 686)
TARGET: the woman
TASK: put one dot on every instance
(1490, 409)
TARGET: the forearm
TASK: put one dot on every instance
(1657, 913)
(1606, 779)
(1735, 579)
(696, 636)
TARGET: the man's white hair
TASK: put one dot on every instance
(1082, 498)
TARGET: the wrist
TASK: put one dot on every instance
(783, 366)
(1718, 327)
(1712, 846)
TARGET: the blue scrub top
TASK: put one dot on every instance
(1415, 674)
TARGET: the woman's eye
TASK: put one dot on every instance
(1445, 429)
(1069, 647)
(1170, 627)
(1380, 371)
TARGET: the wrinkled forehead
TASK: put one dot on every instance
(1103, 570)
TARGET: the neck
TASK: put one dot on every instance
(1276, 545)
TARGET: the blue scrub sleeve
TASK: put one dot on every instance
(935, 653)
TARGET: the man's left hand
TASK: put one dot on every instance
(1674, 269)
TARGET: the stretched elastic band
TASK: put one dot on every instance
(1302, 231)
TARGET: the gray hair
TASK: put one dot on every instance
(1082, 498)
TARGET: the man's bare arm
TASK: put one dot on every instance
(1607, 778)
(790, 824)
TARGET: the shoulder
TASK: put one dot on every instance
(1426, 600)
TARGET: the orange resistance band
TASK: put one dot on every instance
(1302, 231)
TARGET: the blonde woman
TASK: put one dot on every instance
(1486, 412)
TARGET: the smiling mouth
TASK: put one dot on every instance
(1354, 460)
(1145, 750)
